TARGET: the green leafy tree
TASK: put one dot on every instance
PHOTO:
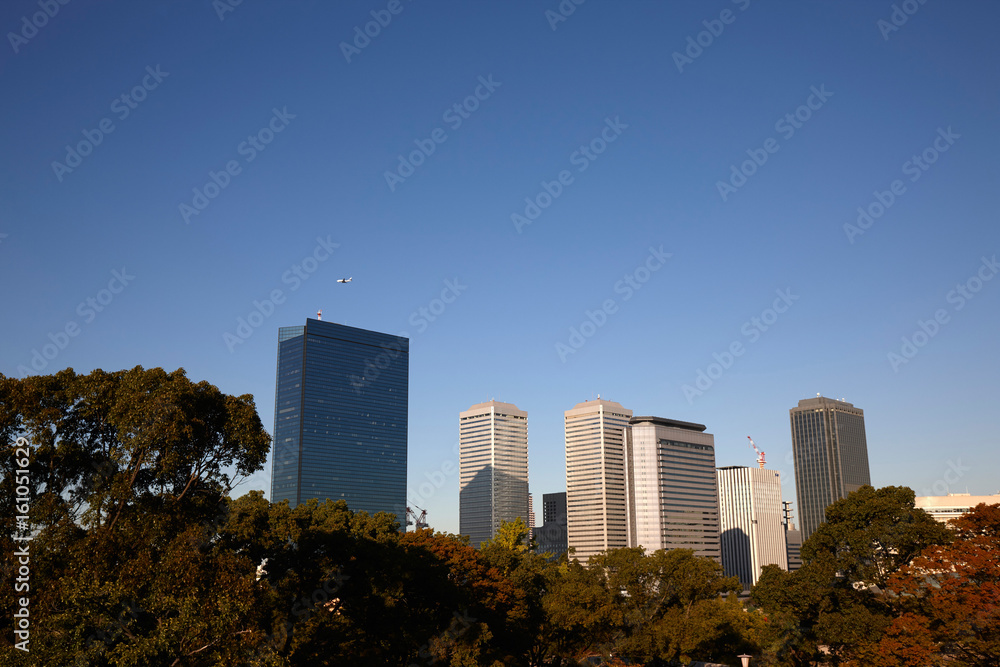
(669, 606)
(871, 534)
(517, 636)
(128, 475)
(581, 616)
(838, 598)
(790, 602)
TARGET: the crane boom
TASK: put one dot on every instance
(760, 454)
(419, 522)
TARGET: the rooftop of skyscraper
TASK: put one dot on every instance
(674, 423)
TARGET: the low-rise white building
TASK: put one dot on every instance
(952, 506)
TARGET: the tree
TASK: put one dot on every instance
(871, 533)
(838, 598)
(127, 476)
(580, 614)
(511, 535)
(668, 606)
(952, 596)
(790, 602)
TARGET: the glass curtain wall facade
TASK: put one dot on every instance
(340, 422)
(831, 456)
(493, 469)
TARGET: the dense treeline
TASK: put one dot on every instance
(140, 557)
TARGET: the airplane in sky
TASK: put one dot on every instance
(345, 280)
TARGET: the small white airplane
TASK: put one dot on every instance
(345, 280)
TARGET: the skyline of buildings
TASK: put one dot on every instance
(650, 482)
(340, 417)
(493, 468)
(830, 455)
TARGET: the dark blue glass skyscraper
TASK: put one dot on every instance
(340, 417)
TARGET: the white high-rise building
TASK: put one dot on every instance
(671, 486)
(493, 469)
(596, 508)
(751, 522)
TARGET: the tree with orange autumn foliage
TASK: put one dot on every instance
(951, 598)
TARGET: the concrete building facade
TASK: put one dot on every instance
(953, 505)
(793, 538)
(793, 547)
(671, 486)
(596, 508)
(551, 535)
(751, 522)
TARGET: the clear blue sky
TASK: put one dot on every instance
(608, 68)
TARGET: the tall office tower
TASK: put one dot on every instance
(831, 456)
(552, 534)
(596, 511)
(671, 487)
(340, 417)
(751, 522)
(493, 469)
